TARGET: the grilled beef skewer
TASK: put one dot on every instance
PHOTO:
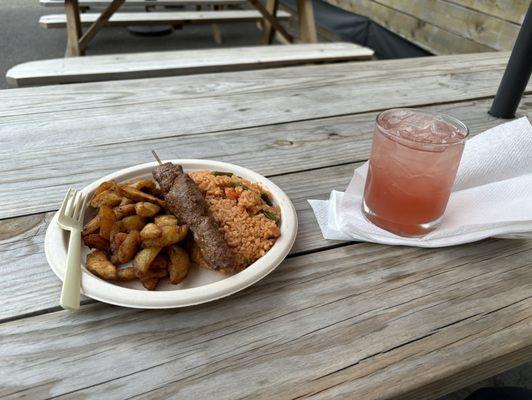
(184, 199)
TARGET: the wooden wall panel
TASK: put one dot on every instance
(445, 26)
(509, 10)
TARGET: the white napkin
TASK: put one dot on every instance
(492, 196)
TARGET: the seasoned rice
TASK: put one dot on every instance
(249, 224)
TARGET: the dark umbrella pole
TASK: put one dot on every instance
(517, 73)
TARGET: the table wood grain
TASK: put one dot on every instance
(335, 320)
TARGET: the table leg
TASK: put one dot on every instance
(99, 23)
(268, 31)
(307, 25)
(272, 20)
(73, 28)
(217, 34)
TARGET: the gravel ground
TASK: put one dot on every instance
(21, 40)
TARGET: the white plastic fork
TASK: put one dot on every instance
(70, 218)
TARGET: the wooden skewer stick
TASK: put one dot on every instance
(156, 157)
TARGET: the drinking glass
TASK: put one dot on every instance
(414, 159)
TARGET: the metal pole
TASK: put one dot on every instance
(517, 73)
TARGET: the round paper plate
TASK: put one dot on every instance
(201, 285)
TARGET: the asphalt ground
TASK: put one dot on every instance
(22, 39)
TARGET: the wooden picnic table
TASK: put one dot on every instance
(335, 320)
(78, 41)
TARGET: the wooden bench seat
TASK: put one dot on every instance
(171, 18)
(142, 3)
(182, 62)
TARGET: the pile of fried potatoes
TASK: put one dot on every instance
(132, 224)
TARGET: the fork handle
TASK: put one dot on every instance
(72, 282)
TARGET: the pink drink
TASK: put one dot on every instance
(414, 159)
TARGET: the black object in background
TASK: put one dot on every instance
(517, 73)
(150, 30)
(501, 393)
(362, 30)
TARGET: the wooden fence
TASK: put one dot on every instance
(447, 26)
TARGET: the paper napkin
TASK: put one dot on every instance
(492, 196)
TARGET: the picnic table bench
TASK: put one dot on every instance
(172, 18)
(268, 15)
(180, 62)
(142, 3)
(334, 320)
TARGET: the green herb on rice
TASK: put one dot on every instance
(266, 198)
(236, 184)
(270, 215)
(221, 173)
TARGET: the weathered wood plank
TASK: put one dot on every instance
(307, 23)
(509, 10)
(464, 22)
(268, 32)
(342, 140)
(275, 149)
(94, 96)
(274, 22)
(336, 324)
(427, 36)
(28, 277)
(181, 62)
(73, 26)
(84, 117)
(166, 17)
(100, 22)
(142, 3)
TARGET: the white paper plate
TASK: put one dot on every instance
(201, 285)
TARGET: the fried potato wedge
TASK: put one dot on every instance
(116, 241)
(107, 220)
(93, 226)
(156, 273)
(197, 257)
(166, 219)
(133, 223)
(103, 187)
(126, 274)
(125, 201)
(108, 197)
(99, 264)
(160, 262)
(143, 260)
(124, 210)
(137, 195)
(150, 283)
(170, 234)
(95, 241)
(145, 185)
(146, 209)
(179, 264)
(128, 248)
(117, 228)
(152, 277)
(127, 228)
(150, 231)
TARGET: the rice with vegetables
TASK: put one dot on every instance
(243, 209)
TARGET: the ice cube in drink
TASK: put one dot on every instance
(413, 164)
